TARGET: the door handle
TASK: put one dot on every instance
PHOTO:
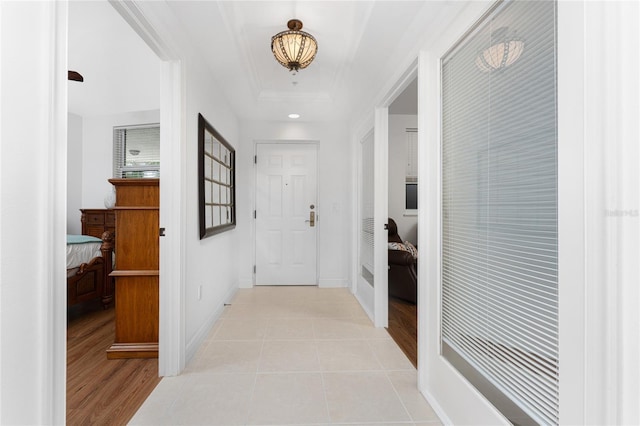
(312, 219)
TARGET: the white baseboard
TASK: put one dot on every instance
(245, 283)
(333, 283)
(364, 306)
(202, 333)
(364, 295)
(444, 418)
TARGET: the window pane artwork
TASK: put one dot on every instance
(216, 181)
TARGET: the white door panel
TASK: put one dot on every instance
(286, 195)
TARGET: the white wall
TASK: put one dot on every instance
(210, 262)
(33, 121)
(334, 197)
(407, 225)
(97, 153)
(74, 173)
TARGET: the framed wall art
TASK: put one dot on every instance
(216, 181)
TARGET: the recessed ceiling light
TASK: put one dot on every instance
(294, 115)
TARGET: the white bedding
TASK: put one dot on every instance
(77, 254)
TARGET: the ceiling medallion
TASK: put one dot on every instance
(294, 49)
(503, 51)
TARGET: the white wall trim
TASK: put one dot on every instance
(571, 214)
(139, 22)
(364, 296)
(333, 283)
(33, 349)
(356, 206)
(245, 283)
(611, 99)
(381, 197)
(428, 216)
(398, 85)
(203, 331)
(172, 357)
(1, 274)
(54, 397)
(442, 415)
(381, 215)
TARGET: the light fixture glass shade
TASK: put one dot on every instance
(294, 49)
(503, 52)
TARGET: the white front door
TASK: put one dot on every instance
(286, 214)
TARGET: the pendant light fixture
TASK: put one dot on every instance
(294, 49)
(502, 52)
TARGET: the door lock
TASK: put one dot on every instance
(312, 219)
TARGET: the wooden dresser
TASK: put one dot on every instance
(96, 221)
(136, 272)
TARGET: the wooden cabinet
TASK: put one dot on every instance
(96, 221)
(136, 271)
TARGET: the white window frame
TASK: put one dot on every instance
(411, 175)
(120, 154)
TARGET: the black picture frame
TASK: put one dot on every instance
(216, 181)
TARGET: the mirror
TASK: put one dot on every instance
(216, 181)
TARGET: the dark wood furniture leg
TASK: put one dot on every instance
(107, 254)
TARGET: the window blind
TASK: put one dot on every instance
(136, 151)
(367, 213)
(499, 211)
(412, 155)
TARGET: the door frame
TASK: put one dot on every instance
(172, 333)
(172, 325)
(254, 240)
(381, 215)
(360, 287)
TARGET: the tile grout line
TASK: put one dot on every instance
(255, 378)
(386, 374)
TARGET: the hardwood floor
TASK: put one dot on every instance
(403, 327)
(102, 391)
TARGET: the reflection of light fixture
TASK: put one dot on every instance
(294, 49)
(134, 151)
(294, 115)
(503, 51)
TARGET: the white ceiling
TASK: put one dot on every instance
(121, 73)
(360, 44)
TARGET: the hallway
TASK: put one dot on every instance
(292, 355)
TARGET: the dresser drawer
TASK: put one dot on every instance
(94, 219)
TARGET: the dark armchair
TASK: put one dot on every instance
(403, 269)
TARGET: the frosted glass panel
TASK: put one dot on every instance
(367, 206)
(499, 208)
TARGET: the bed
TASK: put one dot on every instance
(89, 263)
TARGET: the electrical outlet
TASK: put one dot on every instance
(199, 292)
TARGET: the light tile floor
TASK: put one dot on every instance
(292, 355)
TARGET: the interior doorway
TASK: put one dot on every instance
(286, 216)
(403, 219)
(146, 56)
